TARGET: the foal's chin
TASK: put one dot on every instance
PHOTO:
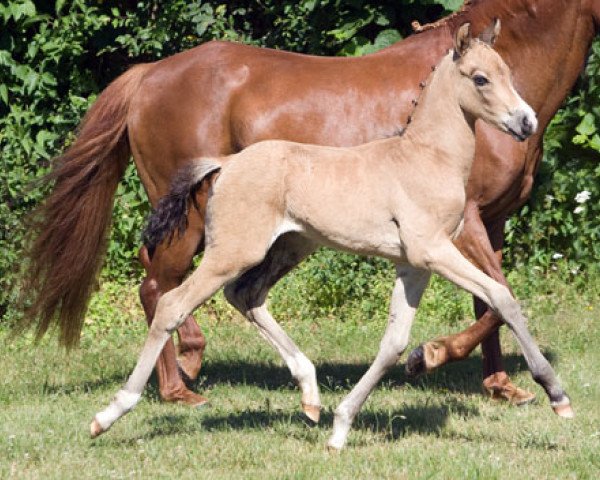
(517, 134)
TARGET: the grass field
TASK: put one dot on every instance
(438, 426)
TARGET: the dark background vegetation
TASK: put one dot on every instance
(56, 56)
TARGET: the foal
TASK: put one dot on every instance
(297, 197)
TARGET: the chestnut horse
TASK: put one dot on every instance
(299, 196)
(220, 97)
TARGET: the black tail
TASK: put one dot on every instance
(170, 215)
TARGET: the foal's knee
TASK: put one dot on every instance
(505, 305)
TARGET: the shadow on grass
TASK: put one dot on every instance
(462, 377)
(427, 419)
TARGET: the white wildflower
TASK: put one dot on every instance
(557, 256)
(579, 210)
(549, 198)
(583, 196)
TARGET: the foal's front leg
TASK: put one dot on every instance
(409, 287)
(482, 245)
(446, 260)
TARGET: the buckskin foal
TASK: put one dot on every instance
(298, 196)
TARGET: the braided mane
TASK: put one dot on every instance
(418, 28)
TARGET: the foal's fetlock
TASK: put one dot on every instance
(341, 427)
(122, 403)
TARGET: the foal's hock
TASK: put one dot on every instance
(297, 197)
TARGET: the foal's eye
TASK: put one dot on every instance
(480, 80)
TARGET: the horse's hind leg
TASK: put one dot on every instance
(447, 261)
(248, 295)
(165, 271)
(409, 287)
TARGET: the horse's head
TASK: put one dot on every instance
(485, 85)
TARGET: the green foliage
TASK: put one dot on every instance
(561, 222)
(55, 57)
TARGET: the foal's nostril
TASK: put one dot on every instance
(526, 125)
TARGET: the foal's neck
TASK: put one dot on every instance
(440, 122)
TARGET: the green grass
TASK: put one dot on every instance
(439, 426)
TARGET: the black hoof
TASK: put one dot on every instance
(415, 364)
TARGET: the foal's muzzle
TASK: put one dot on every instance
(521, 125)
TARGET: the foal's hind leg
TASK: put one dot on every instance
(171, 311)
(248, 295)
(409, 287)
(447, 261)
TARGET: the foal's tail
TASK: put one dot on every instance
(170, 215)
(72, 223)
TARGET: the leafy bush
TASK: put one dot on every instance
(561, 222)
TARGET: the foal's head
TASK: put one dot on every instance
(485, 85)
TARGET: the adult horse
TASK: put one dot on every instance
(220, 97)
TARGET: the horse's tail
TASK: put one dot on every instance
(71, 224)
(170, 215)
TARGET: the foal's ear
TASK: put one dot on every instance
(490, 34)
(462, 39)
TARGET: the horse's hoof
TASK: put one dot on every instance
(505, 390)
(95, 429)
(187, 380)
(313, 412)
(189, 364)
(415, 364)
(185, 397)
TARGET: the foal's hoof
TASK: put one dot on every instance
(563, 408)
(333, 448)
(96, 429)
(415, 364)
(313, 412)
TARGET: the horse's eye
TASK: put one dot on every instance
(480, 80)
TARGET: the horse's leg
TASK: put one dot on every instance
(408, 289)
(447, 261)
(248, 295)
(483, 246)
(165, 271)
